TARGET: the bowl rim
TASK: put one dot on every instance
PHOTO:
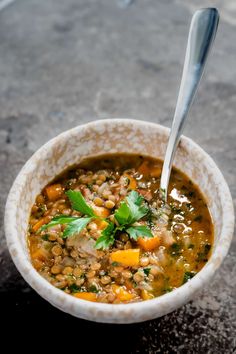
(178, 297)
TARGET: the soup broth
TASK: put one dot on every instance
(100, 232)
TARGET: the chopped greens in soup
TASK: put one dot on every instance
(100, 232)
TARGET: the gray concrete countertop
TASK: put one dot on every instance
(63, 63)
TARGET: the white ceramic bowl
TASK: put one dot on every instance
(107, 136)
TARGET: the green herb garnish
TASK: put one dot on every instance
(146, 271)
(137, 231)
(93, 289)
(74, 288)
(107, 237)
(167, 290)
(75, 227)
(130, 211)
(188, 276)
(175, 249)
(202, 256)
(115, 264)
(58, 220)
(45, 237)
(78, 203)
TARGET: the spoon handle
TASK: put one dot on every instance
(201, 36)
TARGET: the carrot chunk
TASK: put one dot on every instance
(101, 211)
(146, 295)
(132, 181)
(40, 223)
(143, 168)
(155, 171)
(121, 293)
(149, 244)
(101, 224)
(54, 191)
(126, 257)
(86, 296)
(40, 254)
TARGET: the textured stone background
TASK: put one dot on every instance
(63, 63)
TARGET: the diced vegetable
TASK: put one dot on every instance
(155, 171)
(40, 254)
(132, 181)
(40, 223)
(144, 169)
(146, 295)
(128, 258)
(54, 191)
(101, 224)
(37, 263)
(149, 243)
(101, 211)
(121, 293)
(128, 284)
(86, 296)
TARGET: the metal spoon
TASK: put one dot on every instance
(201, 36)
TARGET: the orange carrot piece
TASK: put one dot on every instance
(40, 223)
(101, 224)
(128, 284)
(40, 254)
(146, 295)
(54, 191)
(149, 243)
(132, 181)
(143, 168)
(155, 171)
(86, 296)
(101, 211)
(121, 293)
(126, 257)
(37, 263)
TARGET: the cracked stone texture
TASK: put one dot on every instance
(64, 63)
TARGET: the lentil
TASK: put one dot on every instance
(57, 250)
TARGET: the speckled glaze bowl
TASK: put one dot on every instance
(109, 136)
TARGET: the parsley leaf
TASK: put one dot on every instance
(61, 219)
(132, 210)
(76, 226)
(107, 237)
(135, 197)
(78, 203)
(139, 231)
(122, 214)
(137, 211)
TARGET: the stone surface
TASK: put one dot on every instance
(67, 62)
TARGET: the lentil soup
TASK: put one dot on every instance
(100, 232)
